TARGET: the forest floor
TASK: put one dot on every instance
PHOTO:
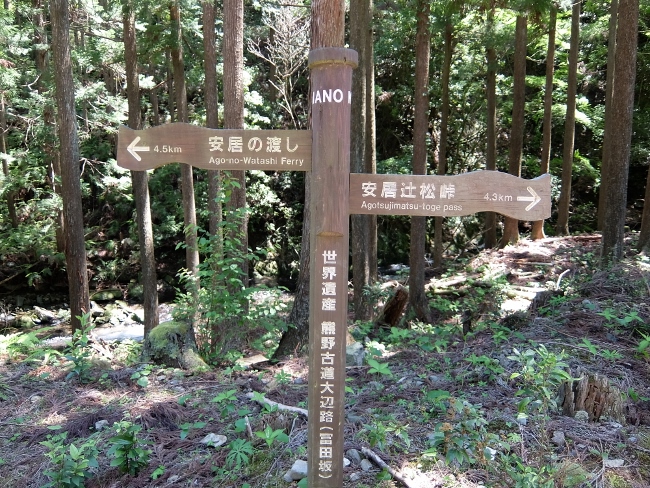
(442, 409)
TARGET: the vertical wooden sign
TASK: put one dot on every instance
(331, 82)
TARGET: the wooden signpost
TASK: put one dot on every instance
(228, 149)
(450, 196)
(335, 195)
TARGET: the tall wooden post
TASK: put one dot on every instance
(331, 82)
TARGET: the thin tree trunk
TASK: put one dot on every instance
(511, 227)
(621, 127)
(171, 95)
(491, 150)
(569, 125)
(233, 102)
(211, 109)
(153, 97)
(359, 228)
(417, 297)
(371, 139)
(75, 249)
(609, 89)
(444, 126)
(11, 195)
(187, 176)
(140, 179)
(538, 226)
(644, 235)
(327, 30)
(52, 158)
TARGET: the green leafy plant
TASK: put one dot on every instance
(70, 465)
(79, 351)
(378, 433)
(542, 371)
(270, 436)
(141, 375)
(188, 426)
(158, 472)
(489, 366)
(226, 399)
(642, 346)
(282, 377)
(462, 437)
(127, 450)
(378, 368)
(224, 305)
(525, 476)
(240, 453)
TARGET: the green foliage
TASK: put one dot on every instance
(240, 453)
(142, 375)
(188, 426)
(79, 351)
(378, 368)
(462, 436)
(270, 436)
(127, 450)
(69, 465)
(226, 399)
(382, 433)
(542, 371)
(226, 308)
(525, 476)
(488, 366)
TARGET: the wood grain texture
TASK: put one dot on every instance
(190, 144)
(464, 194)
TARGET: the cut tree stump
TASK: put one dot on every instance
(595, 395)
(394, 308)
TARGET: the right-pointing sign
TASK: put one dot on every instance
(464, 194)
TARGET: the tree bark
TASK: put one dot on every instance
(538, 226)
(490, 235)
(153, 97)
(11, 195)
(360, 224)
(621, 130)
(140, 179)
(75, 249)
(609, 89)
(569, 125)
(211, 109)
(417, 297)
(444, 129)
(371, 138)
(187, 175)
(233, 102)
(327, 30)
(644, 235)
(52, 159)
(511, 227)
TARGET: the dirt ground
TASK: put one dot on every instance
(487, 408)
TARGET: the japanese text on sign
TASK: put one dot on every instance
(326, 400)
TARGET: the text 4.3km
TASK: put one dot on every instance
(497, 197)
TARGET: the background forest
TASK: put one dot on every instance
(470, 387)
(275, 81)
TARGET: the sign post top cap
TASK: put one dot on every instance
(333, 55)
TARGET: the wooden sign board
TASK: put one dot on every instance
(448, 196)
(216, 149)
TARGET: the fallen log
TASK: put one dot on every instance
(280, 406)
(369, 453)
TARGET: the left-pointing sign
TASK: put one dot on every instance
(133, 148)
(229, 149)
